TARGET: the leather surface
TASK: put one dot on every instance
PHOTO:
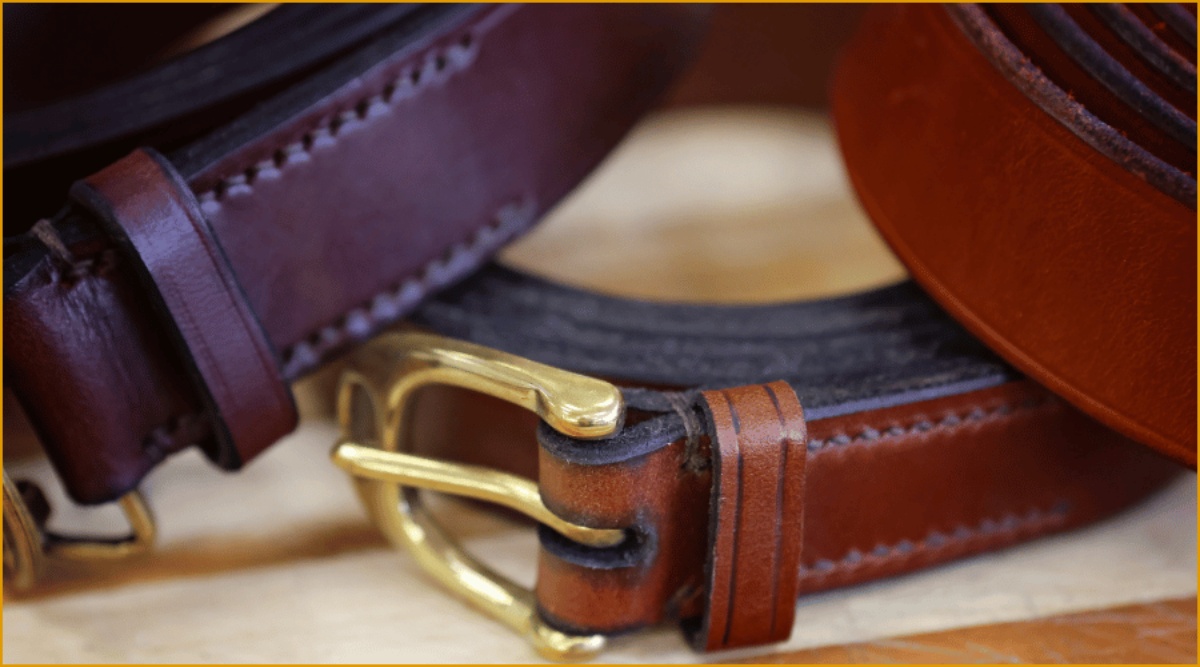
(450, 134)
(922, 447)
(1071, 267)
(151, 214)
(261, 181)
(885, 492)
(757, 517)
(439, 136)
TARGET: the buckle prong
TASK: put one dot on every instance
(469, 481)
(373, 400)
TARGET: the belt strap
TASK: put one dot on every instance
(884, 492)
(920, 447)
(341, 193)
(757, 516)
(1070, 249)
(149, 211)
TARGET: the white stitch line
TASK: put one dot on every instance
(461, 53)
(452, 58)
(935, 540)
(390, 305)
(948, 422)
(387, 306)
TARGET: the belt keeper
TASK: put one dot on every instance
(147, 209)
(756, 516)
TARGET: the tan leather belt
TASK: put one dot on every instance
(1088, 281)
(744, 455)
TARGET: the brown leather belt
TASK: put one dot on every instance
(796, 447)
(441, 134)
(1081, 236)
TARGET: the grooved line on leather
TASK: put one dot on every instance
(774, 513)
(974, 22)
(737, 522)
(779, 488)
(1091, 56)
(1009, 525)
(949, 422)
(456, 58)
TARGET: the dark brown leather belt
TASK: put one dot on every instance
(751, 454)
(443, 134)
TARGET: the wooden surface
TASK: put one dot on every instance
(1160, 632)
(278, 564)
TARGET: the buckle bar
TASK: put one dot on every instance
(469, 481)
(373, 399)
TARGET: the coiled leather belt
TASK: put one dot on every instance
(751, 454)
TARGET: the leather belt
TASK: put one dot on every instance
(915, 445)
(750, 455)
(439, 132)
(1078, 238)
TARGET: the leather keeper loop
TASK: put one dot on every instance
(148, 210)
(756, 520)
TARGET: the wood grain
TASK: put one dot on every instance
(1160, 632)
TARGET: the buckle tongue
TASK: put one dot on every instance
(373, 396)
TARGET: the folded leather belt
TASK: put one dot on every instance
(337, 204)
(1079, 236)
(915, 445)
(762, 452)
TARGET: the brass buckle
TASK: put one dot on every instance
(27, 547)
(373, 396)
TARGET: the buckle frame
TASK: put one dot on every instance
(27, 547)
(372, 405)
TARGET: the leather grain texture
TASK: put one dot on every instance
(340, 203)
(1071, 267)
(757, 518)
(885, 492)
(332, 207)
(151, 214)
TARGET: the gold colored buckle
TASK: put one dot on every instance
(27, 547)
(373, 397)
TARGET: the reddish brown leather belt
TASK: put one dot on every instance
(441, 151)
(797, 447)
(1079, 238)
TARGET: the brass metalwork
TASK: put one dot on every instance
(27, 547)
(373, 398)
(22, 539)
(476, 482)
